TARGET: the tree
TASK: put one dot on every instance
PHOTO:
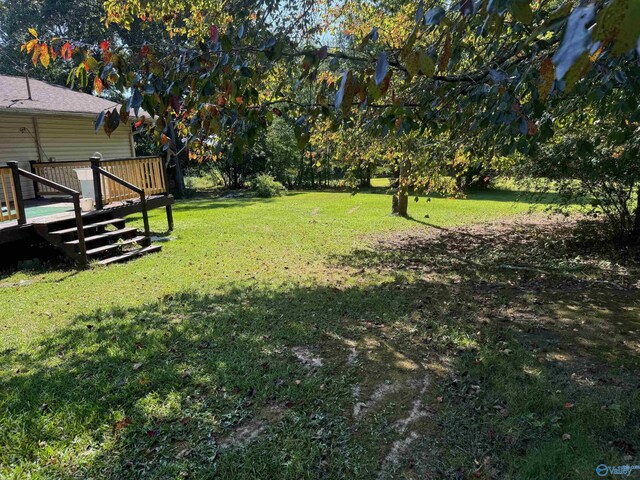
(593, 157)
(487, 67)
(79, 20)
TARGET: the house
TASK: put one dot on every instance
(46, 135)
(40, 122)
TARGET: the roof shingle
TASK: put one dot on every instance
(47, 98)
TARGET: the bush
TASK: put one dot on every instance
(598, 169)
(266, 186)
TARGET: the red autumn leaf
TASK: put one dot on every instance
(66, 51)
(547, 77)
(104, 45)
(144, 51)
(97, 85)
(139, 123)
(213, 32)
(277, 112)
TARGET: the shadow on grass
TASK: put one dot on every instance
(158, 391)
(541, 332)
(152, 392)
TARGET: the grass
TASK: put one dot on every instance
(270, 338)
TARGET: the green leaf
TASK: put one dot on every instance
(578, 70)
(92, 63)
(274, 53)
(425, 64)
(521, 11)
(111, 121)
(412, 63)
(619, 23)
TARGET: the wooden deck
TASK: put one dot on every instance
(11, 231)
(118, 187)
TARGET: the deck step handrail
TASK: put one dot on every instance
(98, 170)
(75, 195)
(9, 197)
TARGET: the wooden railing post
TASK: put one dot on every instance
(97, 184)
(82, 246)
(169, 217)
(165, 175)
(17, 188)
(36, 187)
(145, 214)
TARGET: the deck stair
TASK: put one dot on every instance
(107, 239)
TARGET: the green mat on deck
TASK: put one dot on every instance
(33, 212)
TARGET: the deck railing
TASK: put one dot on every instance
(146, 173)
(9, 206)
(60, 172)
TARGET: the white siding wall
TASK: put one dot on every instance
(63, 138)
(18, 146)
(74, 139)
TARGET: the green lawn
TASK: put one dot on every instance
(316, 336)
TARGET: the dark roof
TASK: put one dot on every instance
(48, 99)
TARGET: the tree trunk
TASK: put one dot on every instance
(180, 189)
(636, 220)
(365, 178)
(301, 170)
(400, 200)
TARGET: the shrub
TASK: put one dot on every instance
(266, 186)
(598, 169)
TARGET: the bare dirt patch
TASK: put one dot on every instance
(307, 357)
(243, 435)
